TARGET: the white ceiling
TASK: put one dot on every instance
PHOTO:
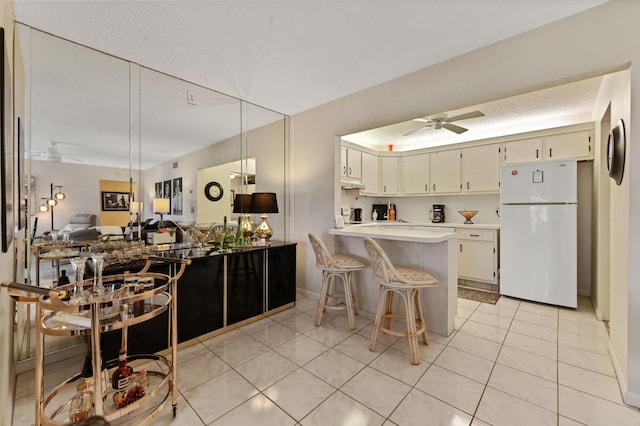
(288, 56)
(291, 55)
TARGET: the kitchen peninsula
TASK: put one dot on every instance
(432, 249)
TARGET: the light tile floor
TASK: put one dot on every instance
(513, 363)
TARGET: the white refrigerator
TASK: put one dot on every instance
(538, 232)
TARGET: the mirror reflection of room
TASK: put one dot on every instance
(136, 135)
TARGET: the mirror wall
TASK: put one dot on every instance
(91, 119)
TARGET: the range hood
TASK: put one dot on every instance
(345, 184)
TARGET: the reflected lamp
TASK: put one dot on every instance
(242, 205)
(264, 202)
(161, 206)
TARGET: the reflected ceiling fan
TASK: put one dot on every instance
(445, 122)
(53, 154)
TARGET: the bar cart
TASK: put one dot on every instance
(64, 312)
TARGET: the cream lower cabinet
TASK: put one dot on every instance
(478, 255)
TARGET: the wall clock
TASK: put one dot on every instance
(213, 191)
(616, 149)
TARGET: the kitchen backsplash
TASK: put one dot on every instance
(418, 209)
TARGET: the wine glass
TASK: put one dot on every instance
(78, 264)
(98, 265)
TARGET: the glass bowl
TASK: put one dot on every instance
(468, 215)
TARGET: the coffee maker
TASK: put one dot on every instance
(438, 213)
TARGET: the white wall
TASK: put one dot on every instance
(81, 185)
(583, 45)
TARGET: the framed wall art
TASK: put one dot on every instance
(115, 201)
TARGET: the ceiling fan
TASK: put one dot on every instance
(445, 122)
(53, 154)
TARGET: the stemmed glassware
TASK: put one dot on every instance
(98, 265)
(78, 264)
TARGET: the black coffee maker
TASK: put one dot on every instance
(438, 213)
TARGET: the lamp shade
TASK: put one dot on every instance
(242, 204)
(264, 202)
(161, 205)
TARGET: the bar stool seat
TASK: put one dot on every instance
(407, 282)
(335, 266)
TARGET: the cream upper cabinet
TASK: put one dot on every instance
(562, 145)
(350, 163)
(370, 174)
(522, 151)
(390, 175)
(568, 145)
(481, 168)
(415, 174)
(444, 168)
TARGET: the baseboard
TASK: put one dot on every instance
(629, 398)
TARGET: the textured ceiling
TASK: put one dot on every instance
(287, 56)
(291, 55)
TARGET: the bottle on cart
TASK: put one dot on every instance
(122, 374)
(239, 239)
(81, 406)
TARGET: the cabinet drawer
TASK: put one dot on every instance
(475, 234)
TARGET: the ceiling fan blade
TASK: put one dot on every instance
(454, 128)
(472, 114)
(416, 130)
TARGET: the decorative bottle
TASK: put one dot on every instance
(122, 374)
(81, 406)
(239, 238)
(392, 212)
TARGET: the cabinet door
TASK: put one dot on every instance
(370, 174)
(523, 151)
(445, 171)
(415, 174)
(354, 164)
(481, 169)
(476, 260)
(281, 278)
(568, 145)
(390, 175)
(343, 161)
(245, 285)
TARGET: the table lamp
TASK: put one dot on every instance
(160, 206)
(242, 205)
(264, 202)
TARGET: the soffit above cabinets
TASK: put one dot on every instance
(557, 106)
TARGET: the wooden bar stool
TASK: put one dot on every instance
(335, 266)
(407, 282)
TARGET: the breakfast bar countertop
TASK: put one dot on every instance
(416, 235)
